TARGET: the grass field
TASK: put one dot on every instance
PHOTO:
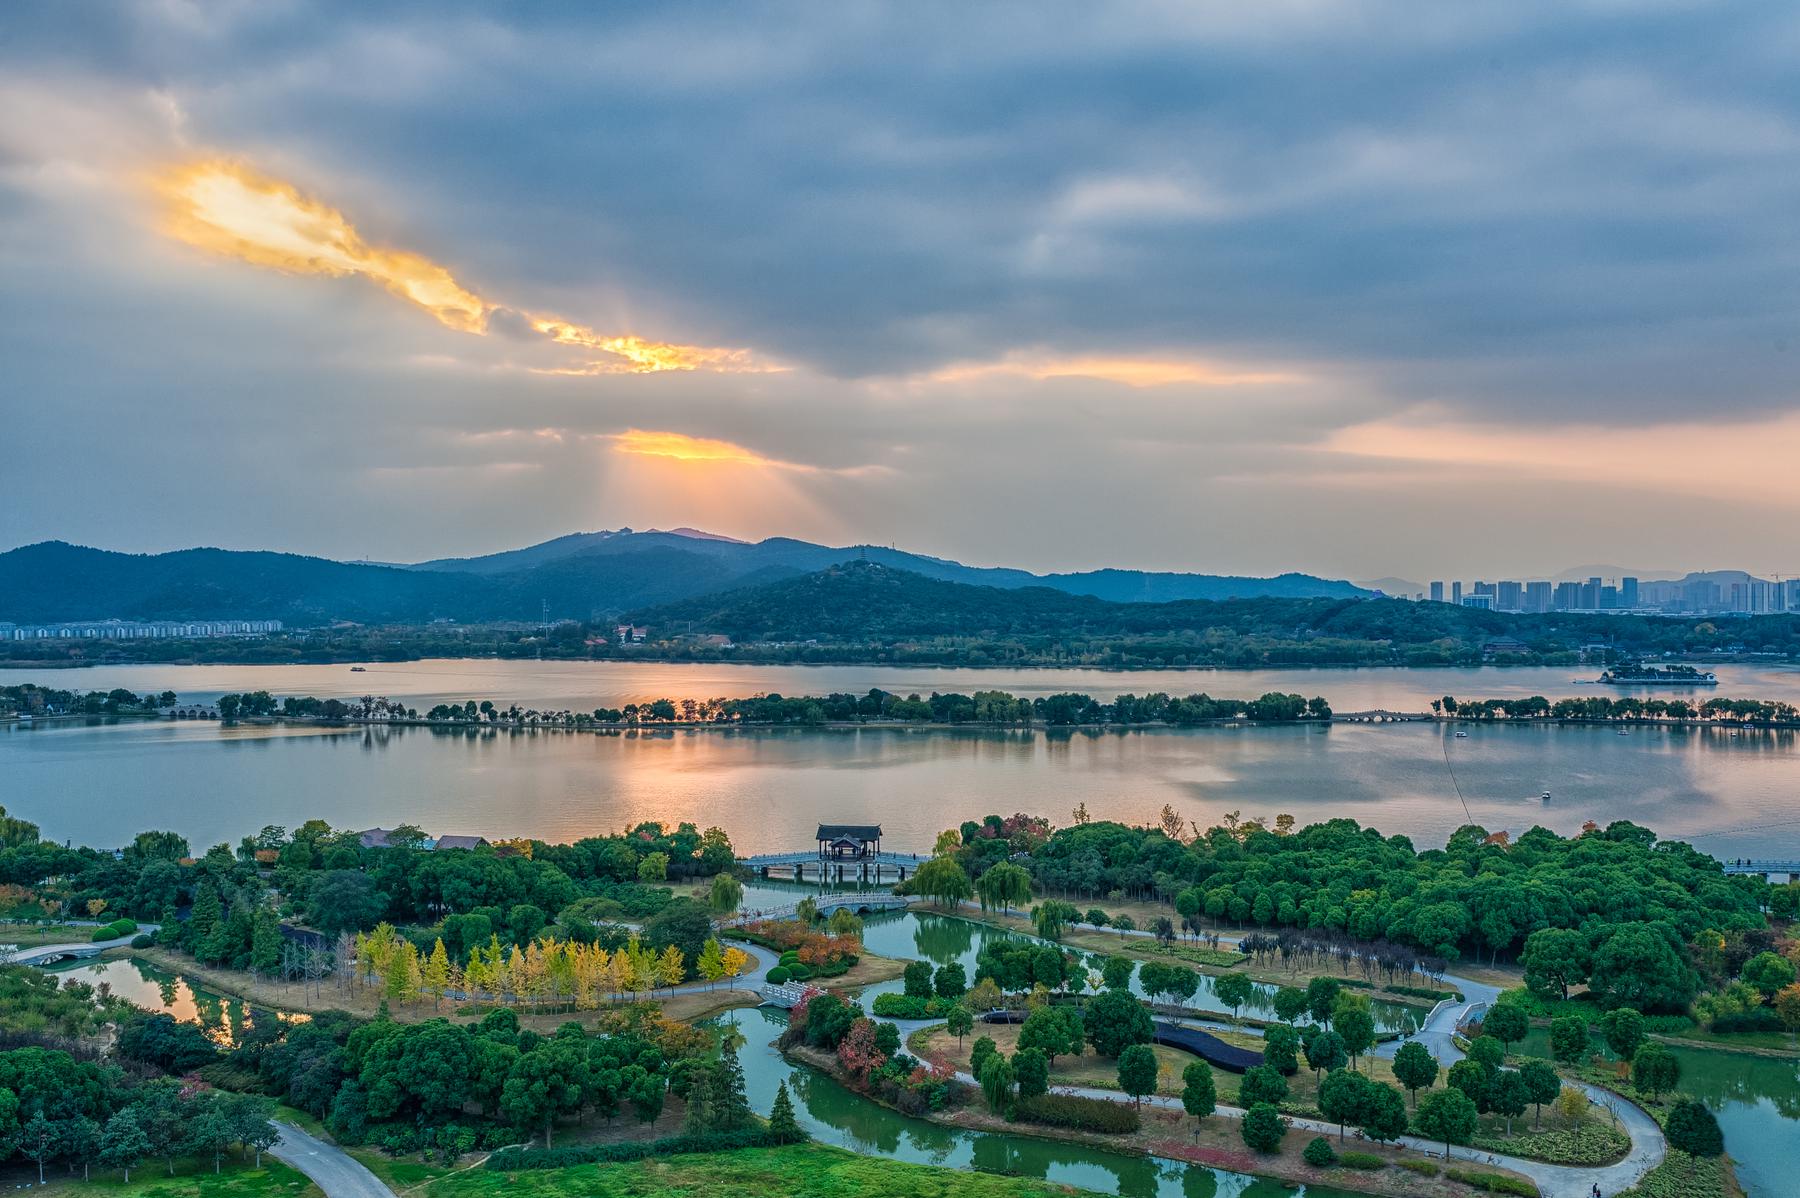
(193, 1179)
(804, 1171)
(33, 935)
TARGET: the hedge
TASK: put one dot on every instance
(1493, 1183)
(1422, 1168)
(1077, 1113)
(114, 930)
(908, 1006)
(1362, 1160)
(509, 1160)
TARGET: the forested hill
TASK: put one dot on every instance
(587, 576)
(873, 605)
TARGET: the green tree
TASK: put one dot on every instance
(1568, 1038)
(1051, 1030)
(783, 1127)
(344, 900)
(1342, 1096)
(1281, 1049)
(1415, 1068)
(123, 1144)
(653, 867)
(1319, 1153)
(1541, 1086)
(1031, 1069)
(917, 979)
(997, 1083)
(944, 881)
(950, 981)
(1637, 966)
(1384, 1112)
(1262, 1083)
(979, 1052)
(1554, 960)
(727, 893)
(265, 941)
(1692, 1129)
(1326, 1052)
(1137, 1071)
(1508, 1096)
(1655, 1069)
(1114, 1021)
(1199, 1093)
(1448, 1116)
(1488, 1050)
(1506, 1022)
(959, 1022)
(1321, 999)
(1474, 1079)
(1052, 916)
(1290, 1003)
(545, 1083)
(1263, 1129)
(1356, 1028)
(1115, 972)
(1004, 885)
(1623, 1028)
(1769, 973)
(1234, 990)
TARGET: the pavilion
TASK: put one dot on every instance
(849, 842)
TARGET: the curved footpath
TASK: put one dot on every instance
(332, 1169)
(43, 954)
(1648, 1147)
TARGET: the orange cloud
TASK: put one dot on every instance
(229, 209)
(1130, 370)
(684, 448)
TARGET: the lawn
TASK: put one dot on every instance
(193, 1179)
(1088, 1069)
(803, 1171)
(34, 935)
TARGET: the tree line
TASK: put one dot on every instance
(1628, 707)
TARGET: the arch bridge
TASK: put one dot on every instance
(867, 902)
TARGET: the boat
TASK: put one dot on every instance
(1545, 796)
(1462, 736)
(359, 669)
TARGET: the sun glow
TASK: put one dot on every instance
(229, 209)
(684, 448)
(1131, 371)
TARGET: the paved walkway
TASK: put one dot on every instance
(43, 954)
(335, 1171)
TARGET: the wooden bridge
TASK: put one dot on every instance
(1760, 868)
(1379, 717)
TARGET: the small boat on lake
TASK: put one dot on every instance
(359, 669)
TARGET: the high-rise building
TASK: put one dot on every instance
(1437, 592)
(1509, 596)
(1609, 596)
(1568, 596)
(1484, 602)
(1628, 592)
(1537, 596)
(1590, 594)
(1456, 593)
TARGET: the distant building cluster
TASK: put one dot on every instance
(1694, 595)
(132, 630)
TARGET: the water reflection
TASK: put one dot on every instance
(225, 1020)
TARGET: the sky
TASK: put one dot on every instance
(1360, 289)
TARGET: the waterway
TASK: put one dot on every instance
(99, 782)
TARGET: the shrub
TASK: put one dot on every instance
(1589, 1144)
(1422, 1168)
(778, 976)
(1363, 1160)
(1424, 992)
(907, 1006)
(1493, 1183)
(1078, 1114)
(142, 941)
(1318, 1153)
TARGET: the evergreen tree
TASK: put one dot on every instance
(123, 1144)
(699, 1102)
(731, 1107)
(265, 941)
(783, 1127)
(203, 919)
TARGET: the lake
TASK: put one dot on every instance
(99, 782)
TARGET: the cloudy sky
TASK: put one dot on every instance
(1353, 288)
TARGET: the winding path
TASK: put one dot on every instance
(332, 1169)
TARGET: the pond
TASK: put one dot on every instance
(153, 989)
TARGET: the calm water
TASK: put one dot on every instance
(100, 783)
(585, 685)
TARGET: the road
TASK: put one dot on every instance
(335, 1171)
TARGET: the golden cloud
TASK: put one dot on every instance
(1130, 370)
(226, 208)
(684, 448)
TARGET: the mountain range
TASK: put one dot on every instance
(581, 576)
